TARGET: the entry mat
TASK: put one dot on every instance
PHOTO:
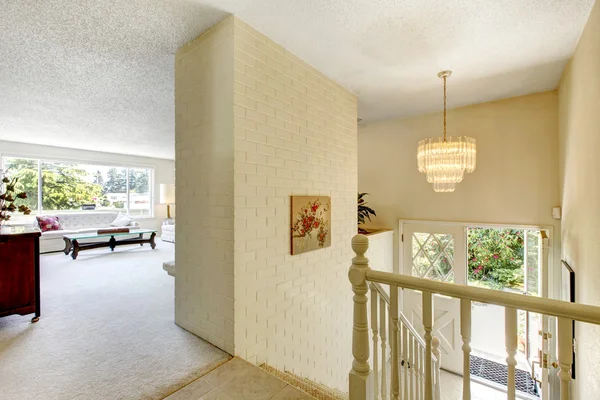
(498, 373)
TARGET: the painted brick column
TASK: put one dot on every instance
(256, 125)
(204, 295)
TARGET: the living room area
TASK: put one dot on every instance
(103, 324)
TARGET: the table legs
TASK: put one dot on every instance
(112, 243)
(68, 246)
(152, 242)
(75, 245)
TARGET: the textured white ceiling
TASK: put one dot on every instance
(98, 75)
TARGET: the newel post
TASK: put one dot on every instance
(361, 379)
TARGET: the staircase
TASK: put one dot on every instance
(392, 361)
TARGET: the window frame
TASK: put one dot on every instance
(127, 167)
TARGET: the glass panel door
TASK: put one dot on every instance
(436, 251)
(533, 323)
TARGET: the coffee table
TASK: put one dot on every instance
(73, 246)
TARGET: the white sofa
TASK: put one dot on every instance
(168, 231)
(72, 223)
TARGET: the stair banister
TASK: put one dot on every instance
(556, 308)
(419, 375)
(420, 366)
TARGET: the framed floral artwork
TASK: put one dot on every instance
(311, 223)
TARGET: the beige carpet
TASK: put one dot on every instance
(106, 332)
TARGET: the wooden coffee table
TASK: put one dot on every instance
(73, 246)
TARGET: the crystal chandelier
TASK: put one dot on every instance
(445, 159)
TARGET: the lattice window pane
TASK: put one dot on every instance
(433, 256)
(421, 264)
(444, 267)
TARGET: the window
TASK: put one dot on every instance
(27, 171)
(433, 256)
(73, 186)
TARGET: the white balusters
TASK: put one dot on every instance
(405, 361)
(360, 378)
(465, 331)
(411, 366)
(510, 317)
(374, 328)
(390, 335)
(394, 341)
(417, 370)
(565, 356)
(428, 326)
(437, 387)
(423, 371)
(383, 330)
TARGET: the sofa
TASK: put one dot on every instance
(168, 231)
(73, 223)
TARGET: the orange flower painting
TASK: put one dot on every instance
(311, 223)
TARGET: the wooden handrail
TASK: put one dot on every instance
(557, 308)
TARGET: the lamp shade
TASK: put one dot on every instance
(167, 193)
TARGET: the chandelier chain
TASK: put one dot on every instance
(444, 108)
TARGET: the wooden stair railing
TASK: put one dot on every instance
(415, 361)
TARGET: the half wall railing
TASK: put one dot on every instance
(414, 361)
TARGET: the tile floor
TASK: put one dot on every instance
(452, 389)
(238, 380)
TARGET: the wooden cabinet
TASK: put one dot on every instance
(20, 271)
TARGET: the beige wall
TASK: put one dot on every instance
(515, 182)
(579, 119)
(516, 176)
(204, 302)
(255, 125)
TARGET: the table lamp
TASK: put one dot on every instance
(167, 196)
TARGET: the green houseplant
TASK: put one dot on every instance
(364, 212)
(8, 196)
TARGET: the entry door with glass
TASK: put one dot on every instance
(537, 350)
(436, 251)
(508, 259)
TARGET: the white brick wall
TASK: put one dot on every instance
(204, 249)
(295, 134)
(255, 125)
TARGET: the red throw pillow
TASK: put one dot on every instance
(48, 223)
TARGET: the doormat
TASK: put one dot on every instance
(498, 373)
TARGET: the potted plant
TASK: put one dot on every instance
(8, 197)
(364, 212)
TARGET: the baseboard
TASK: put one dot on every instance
(197, 331)
(316, 390)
